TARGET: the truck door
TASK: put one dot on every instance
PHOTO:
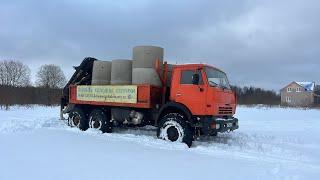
(191, 95)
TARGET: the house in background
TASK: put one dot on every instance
(299, 94)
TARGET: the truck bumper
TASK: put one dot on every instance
(213, 125)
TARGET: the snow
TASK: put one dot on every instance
(309, 86)
(272, 143)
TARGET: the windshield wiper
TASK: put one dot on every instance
(215, 84)
(219, 85)
(225, 87)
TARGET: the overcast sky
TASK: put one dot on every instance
(261, 43)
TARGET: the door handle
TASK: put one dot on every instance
(178, 94)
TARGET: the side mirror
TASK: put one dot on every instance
(195, 79)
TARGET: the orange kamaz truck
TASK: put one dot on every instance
(198, 101)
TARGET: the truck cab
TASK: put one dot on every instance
(201, 96)
(205, 90)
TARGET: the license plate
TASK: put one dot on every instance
(229, 124)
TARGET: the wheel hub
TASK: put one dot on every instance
(76, 120)
(96, 124)
(173, 133)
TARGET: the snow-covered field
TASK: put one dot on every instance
(272, 143)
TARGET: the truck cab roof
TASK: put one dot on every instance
(195, 65)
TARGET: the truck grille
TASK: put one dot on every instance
(225, 110)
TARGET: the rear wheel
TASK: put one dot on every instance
(214, 134)
(77, 118)
(172, 127)
(100, 120)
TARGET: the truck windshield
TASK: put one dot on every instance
(217, 78)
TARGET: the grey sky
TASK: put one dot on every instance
(261, 43)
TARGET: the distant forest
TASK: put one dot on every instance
(253, 95)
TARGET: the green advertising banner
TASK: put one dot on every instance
(107, 93)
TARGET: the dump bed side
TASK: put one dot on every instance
(137, 96)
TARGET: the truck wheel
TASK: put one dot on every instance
(214, 134)
(172, 127)
(78, 118)
(98, 119)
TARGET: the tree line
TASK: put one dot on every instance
(29, 95)
(16, 87)
(253, 95)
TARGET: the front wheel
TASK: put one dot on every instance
(172, 127)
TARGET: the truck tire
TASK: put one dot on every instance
(214, 134)
(78, 119)
(98, 119)
(172, 127)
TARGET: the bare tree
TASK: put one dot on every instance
(50, 76)
(14, 73)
